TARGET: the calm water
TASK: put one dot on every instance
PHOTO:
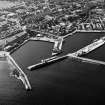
(34, 51)
(63, 83)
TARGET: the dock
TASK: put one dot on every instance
(57, 43)
(87, 60)
(91, 31)
(90, 47)
(76, 55)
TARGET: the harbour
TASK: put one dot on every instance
(55, 51)
(76, 55)
(90, 39)
(77, 74)
(67, 77)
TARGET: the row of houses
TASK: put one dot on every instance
(91, 26)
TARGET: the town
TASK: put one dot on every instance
(49, 18)
(52, 52)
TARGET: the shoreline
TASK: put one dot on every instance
(90, 30)
(51, 39)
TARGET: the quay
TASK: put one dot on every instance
(57, 46)
(90, 47)
(3, 54)
(46, 33)
(75, 55)
(57, 42)
(91, 31)
(70, 34)
(9, 39)
(42, 39)
(87, 60)
(74, 77)
(85, 31)
(19, 74)
(16, 48)
(45, 62)
(55, 59)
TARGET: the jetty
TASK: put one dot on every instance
(16, 70)
(76, 55)
(96, 44)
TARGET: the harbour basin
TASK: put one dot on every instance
(61, 82)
